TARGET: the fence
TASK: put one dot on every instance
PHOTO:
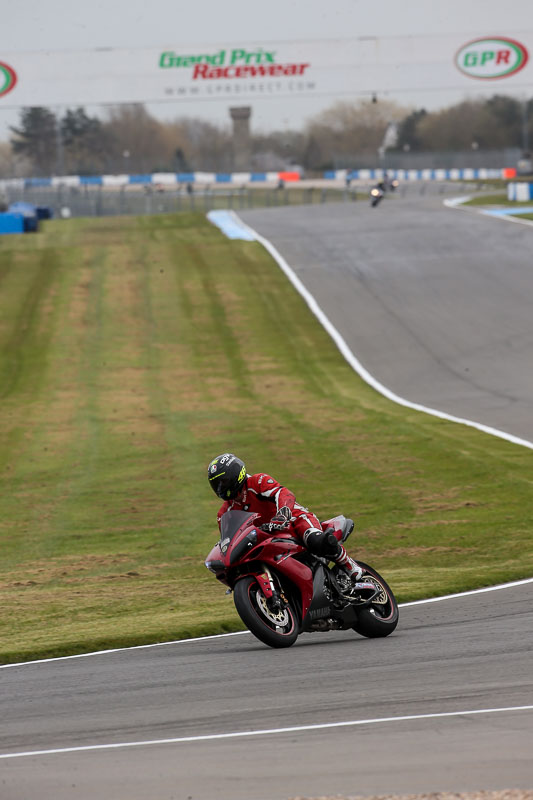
(101, 201)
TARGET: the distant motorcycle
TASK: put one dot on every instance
(376, 195)
(281, 590)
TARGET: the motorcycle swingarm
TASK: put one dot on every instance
(365, 603)
(352, 601)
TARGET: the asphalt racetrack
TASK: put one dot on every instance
(436, 304)
(451, 657)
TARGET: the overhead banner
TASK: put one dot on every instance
(246, 70)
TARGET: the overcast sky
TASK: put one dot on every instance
(67, 24)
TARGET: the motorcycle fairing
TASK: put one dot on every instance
(298, 574)
(320, 605)
(230, 524)
(215, 560)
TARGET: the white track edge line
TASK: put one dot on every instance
(123, 649)
(484, 589)
(265, 732)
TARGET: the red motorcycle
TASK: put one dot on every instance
(281, 590)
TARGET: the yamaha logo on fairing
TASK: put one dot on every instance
(319, 612)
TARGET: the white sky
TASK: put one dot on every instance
(67, 24)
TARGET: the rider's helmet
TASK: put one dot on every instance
(226, 475)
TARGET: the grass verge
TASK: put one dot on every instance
(133, 350)
(487, 201)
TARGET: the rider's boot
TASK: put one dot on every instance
(347, 564)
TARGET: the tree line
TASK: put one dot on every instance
(131, 140)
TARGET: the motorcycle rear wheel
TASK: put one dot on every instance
(275, 628)
(381, 617)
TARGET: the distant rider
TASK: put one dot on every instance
(261, 494)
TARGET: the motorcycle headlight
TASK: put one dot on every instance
(215, 566)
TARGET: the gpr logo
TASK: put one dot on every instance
(8, 78)
(492, 58)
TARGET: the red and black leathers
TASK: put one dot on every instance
(262, 494)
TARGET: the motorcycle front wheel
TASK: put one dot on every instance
(275, 627)
(381, 617)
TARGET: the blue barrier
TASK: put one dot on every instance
(32, 183)
(140, 179)
(520, 192)
(28, 212)
(11, 223)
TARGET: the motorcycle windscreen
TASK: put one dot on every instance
(232, 521)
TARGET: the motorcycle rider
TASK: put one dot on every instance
(264, 495)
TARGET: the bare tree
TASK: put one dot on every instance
(496, 122)
(347, 129)
(138, 141)
(456, 128)
(204, 146)
(11, 164)
(278, 150)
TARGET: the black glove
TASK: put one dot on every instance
(271, 526)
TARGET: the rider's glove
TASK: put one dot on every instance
(282, 518)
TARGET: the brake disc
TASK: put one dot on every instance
(279, 617)
(382, 598)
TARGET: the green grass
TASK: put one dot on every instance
(133, 350)
(498, 199)
(488, 200)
